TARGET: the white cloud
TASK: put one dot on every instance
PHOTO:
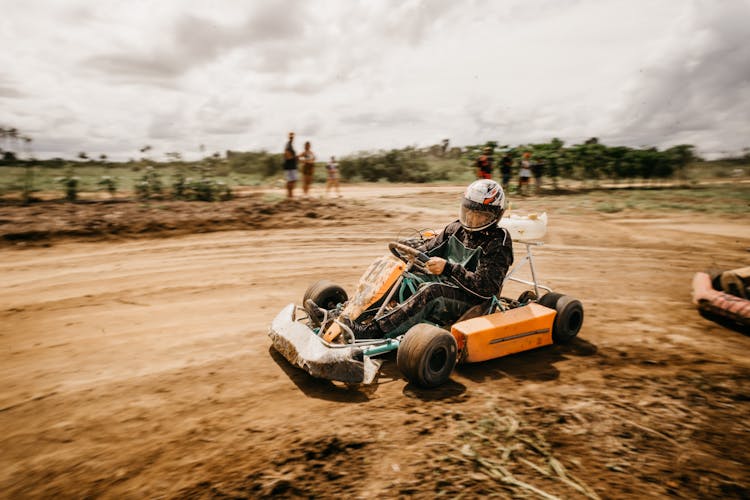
(111, 76)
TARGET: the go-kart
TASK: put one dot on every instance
(427, 353)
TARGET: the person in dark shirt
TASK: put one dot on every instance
(290, 166)
(537, 170)
(468, 262)
(484, 164)
(506, 165)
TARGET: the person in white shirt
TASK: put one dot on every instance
(333, 176)
(524, 174)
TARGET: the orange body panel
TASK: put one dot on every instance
(372, 286)
(504, 333)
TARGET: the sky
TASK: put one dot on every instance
(108, 77)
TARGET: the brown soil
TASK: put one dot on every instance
(44, 222)
(141, 368)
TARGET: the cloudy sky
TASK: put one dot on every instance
(110, 76)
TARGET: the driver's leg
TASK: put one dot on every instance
(435, 302)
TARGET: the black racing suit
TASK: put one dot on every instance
(460, 287)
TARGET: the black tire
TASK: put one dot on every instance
(325, 294)
(427, 355)
(569, 318)
(550, 299)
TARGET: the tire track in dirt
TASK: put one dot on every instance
(141, 369)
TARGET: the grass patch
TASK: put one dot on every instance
(609, 208)
(502, 452)
(707, 199)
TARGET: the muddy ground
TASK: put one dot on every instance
(135, 361)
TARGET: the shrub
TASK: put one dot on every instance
(203, 189)
(179, 186)
(149, 185)
(108, 183)
(396, 165)
(70, 184)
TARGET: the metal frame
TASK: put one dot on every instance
(370, 347)
(529, 257)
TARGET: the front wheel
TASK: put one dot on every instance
(427, 355)
(325, 294)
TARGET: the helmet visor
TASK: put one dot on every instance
(475, 216)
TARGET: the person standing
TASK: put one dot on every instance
(333, 176)
(290, 166)
(537, 169)
(524, 174)
(484, 164)
(506, 165)
(308, 167)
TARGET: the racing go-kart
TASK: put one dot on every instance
(427, 352)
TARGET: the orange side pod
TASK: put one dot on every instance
(505, 332)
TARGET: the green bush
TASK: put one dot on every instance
(179, 186)
(261, 163)
(149, 185)
(70, 185)
(396, 165)
(109, 183)
(204, 188)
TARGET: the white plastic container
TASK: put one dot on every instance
(525, 227)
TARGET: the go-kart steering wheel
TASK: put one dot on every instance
(409, 254)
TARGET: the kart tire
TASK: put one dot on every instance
(325, 294)
(549, 299)
(569, 318)
(427, 355)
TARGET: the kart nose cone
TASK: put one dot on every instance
(303, 348)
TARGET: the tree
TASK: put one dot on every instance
(27, 145)
(13, 134)
(174, 156)
(681, 156)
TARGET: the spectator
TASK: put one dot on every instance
(290, 166)
(484, 164)
(308, 167)
(333, 176)
(524, 174)
(537, 169)
(506, 164)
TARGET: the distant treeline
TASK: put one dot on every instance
(591, 160)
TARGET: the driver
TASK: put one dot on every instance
(486, 252)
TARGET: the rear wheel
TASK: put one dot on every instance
(569, 318)
(427, 355)
(550, 299)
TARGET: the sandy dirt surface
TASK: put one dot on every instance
(141, 368)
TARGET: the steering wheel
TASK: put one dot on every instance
(408, 254)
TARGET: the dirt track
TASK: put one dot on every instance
(141, 368)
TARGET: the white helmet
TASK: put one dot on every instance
(482, 205)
